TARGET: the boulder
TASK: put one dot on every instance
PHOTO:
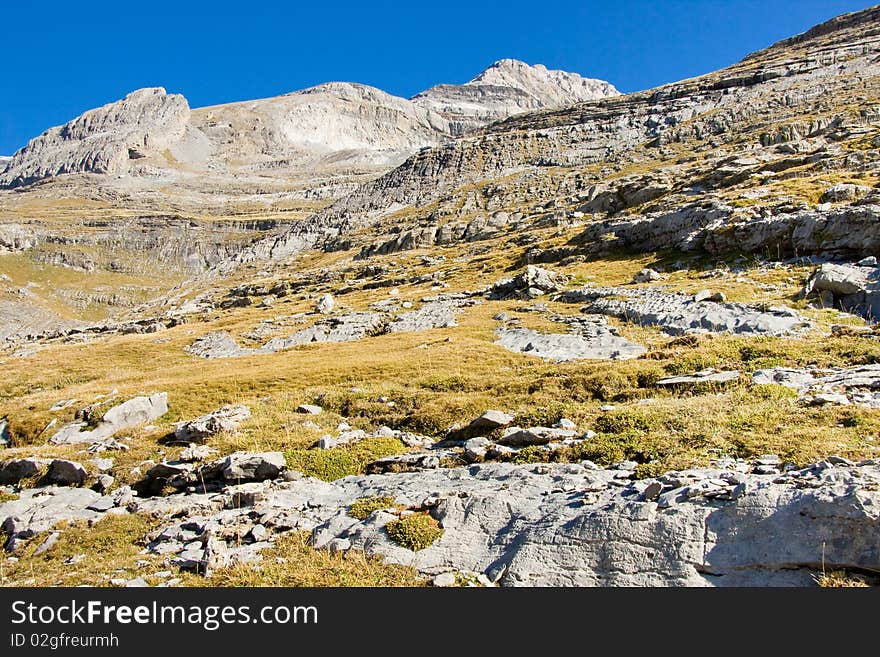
(325, 304)
(127, 415)
(226, 418)
(531, 282)
(852, 288)
(12, 472)
(647, 275)
(516, 437)
(246, 466)
(66, 473)
(481, 426)
(309, 409)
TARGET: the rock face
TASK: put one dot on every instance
(508, 87)
(345, 130)
(103, 140)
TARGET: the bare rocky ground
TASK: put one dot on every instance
(620, 340)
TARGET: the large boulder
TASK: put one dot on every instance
(127, 415)
(853, 288)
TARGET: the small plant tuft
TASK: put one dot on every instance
(362, 508)
(415, 532)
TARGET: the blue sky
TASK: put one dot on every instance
(62, 58)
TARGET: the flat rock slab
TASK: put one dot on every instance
(849, 385)
(441, 313)
(560, 347)
(219, 344)
(553, 524)
(678, 314)
(339, 328)
(709, 376)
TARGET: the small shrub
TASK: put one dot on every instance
(530, 454)
(622, 422)
(333, 464)
(362, 508)
(545, 415)
(415, 532)
(608, 385)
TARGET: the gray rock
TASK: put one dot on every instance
(47, 544)
(219, 344)
(481, 426)
(325, 304)
(439, 313)
(532, 282)
(246, 466)
(852, 288)
(678, 314)
(195, 453)
(102, 504)
(12, 472)
(706, 376)
(475, 448)
(344, 438)
(601, 345)
(129, 414)
(516, 437)
(444, 580)
(103, 483)
(309, 409)
(647, 275)
(5, 437)
(338, 328)
(226, 418)
(66, 473)
(41, 509)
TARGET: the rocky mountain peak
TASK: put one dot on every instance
(551, 88)
(103, 140)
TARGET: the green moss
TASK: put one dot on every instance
(333, 464)
(363, 507)
(415, 532)
(7, 497)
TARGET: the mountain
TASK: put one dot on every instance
(326, 138)
(503, 333)
(505, 88)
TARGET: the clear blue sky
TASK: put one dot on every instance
(62, 58)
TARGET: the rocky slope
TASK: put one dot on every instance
(757, 145)
(627, 341)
